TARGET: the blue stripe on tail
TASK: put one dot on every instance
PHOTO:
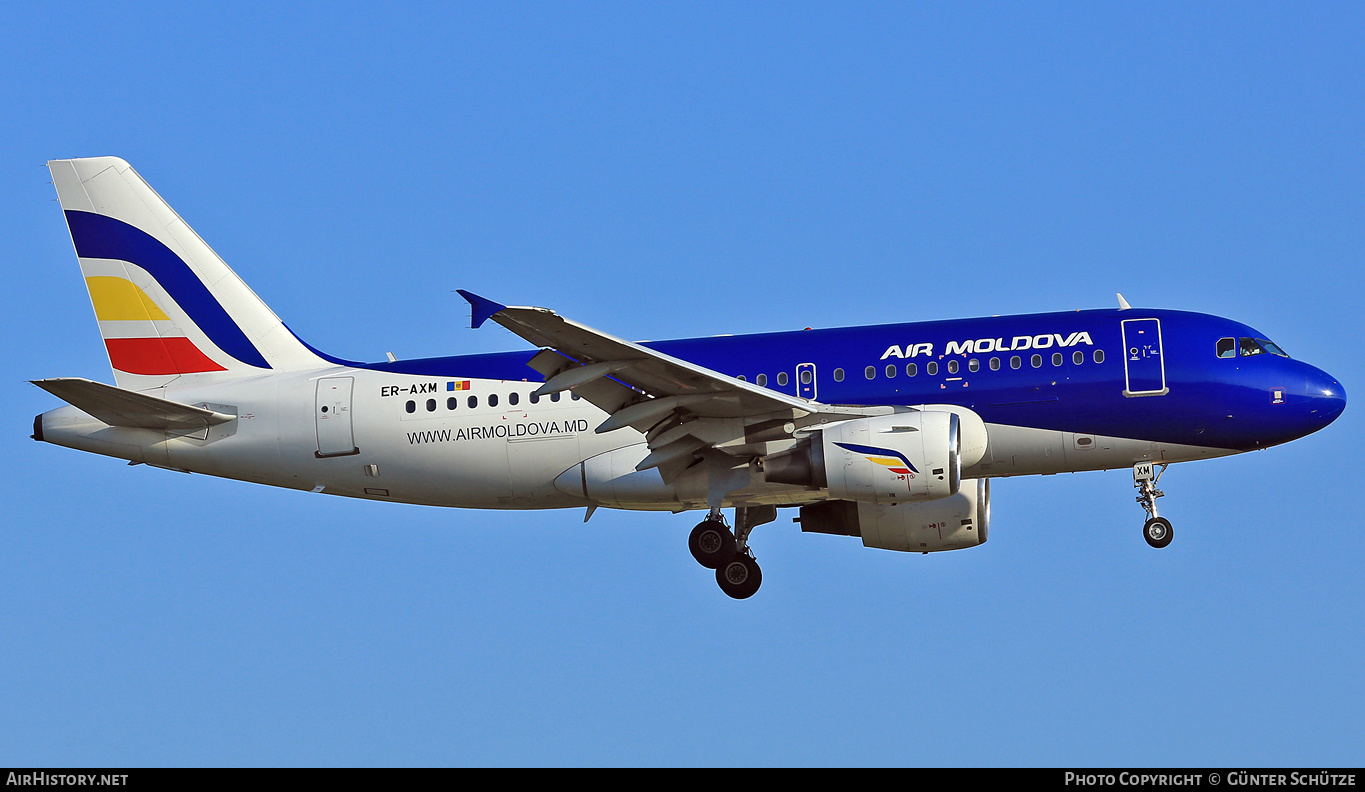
(98, 236)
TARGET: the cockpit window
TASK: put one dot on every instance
(1272, 348)
(1227, 347)
(1258, 346)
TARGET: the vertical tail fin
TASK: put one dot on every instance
(167, 305)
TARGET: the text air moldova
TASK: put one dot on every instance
(983, 345)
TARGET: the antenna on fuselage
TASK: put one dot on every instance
(1123, 304)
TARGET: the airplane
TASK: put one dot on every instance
(888, 433)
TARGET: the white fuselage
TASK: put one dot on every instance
(384, 436)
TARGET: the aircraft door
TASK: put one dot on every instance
(805, 381)
(332, 415)
(1144, 368)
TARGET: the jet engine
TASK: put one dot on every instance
(905, 457)
(952, 523)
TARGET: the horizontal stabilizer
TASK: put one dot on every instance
(120, 407)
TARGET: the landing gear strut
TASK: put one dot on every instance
(1157, 530)
(715, 547)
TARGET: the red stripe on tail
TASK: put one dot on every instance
(158, 356)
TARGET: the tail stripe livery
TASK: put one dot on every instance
(119, 300)
(100, 237)
(168, 307)
(157, 356)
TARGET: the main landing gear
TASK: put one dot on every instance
(1157, 530)
(715, 547)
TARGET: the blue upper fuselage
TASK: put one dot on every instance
(1142, 374)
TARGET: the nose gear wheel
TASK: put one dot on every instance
(1157, 531)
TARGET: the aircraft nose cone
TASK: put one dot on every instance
(1307, 400)
(1330, 397)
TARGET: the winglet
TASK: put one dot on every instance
(482, 308)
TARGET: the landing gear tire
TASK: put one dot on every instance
(740, 577)
(711, 544)
(1157, 531)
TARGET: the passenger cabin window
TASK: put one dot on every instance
(870, 372)
(973, 365)
(473, 401)
(1015, 362)
(891, 370)
(411, 406)
(1098, 356)
(911, 369)
(931, 368)
(1056, 358)
(781, 378)
(431, 405)
(1078, 357)
(1036, 361)
(995, 364)
(762, 380)
(952, 367)
(492, 400)
(838, 375)
(451, 403)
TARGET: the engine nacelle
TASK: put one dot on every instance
(888, 459)
(952, 523)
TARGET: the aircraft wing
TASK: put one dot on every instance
(683, 408)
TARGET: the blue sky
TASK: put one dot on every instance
(670, 170)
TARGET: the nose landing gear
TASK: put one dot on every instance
(1157, 530)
